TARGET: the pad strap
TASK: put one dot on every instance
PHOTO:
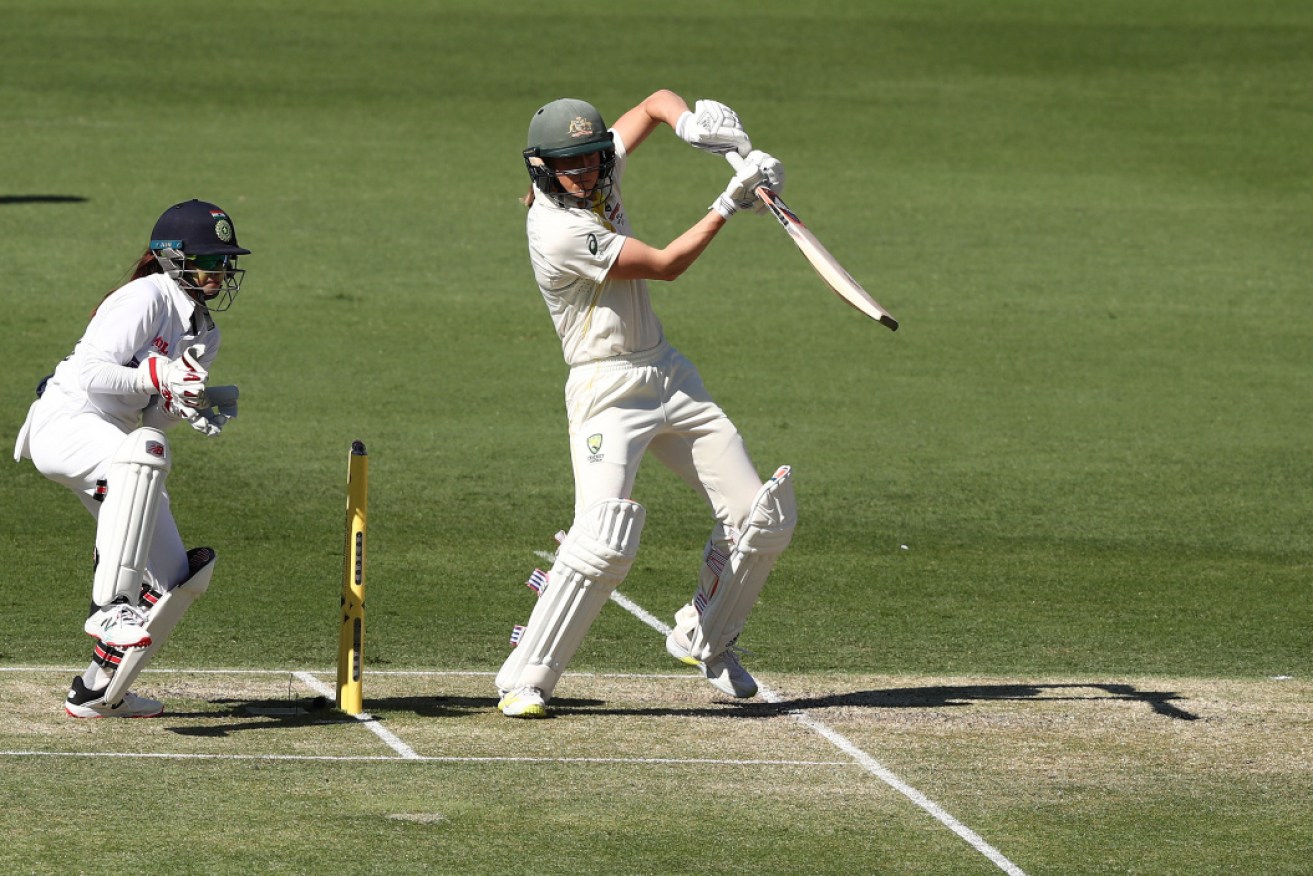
(163, 617)
(591, 562)
(726, 595)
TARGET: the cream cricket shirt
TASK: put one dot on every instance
(572, 250)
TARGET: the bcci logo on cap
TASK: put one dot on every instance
(594, 444)
(580, 127)
(223, 229)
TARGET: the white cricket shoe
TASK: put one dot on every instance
(83, 702)
(119, 625)
(724, 671)
(523, 702)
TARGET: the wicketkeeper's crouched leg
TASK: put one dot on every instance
(591, 562)
(125, 529)
(164, 611)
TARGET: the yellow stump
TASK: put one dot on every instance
(351, 640)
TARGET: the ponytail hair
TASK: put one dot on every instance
(146, 265)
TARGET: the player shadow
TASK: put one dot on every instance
(42, 199)
(717, 705)
(283, 713)
(266, 714)
(952, 696)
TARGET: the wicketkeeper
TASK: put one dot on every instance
(629, 392)
(98, 427)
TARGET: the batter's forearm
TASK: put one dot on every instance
(685, 249)
(638, 261)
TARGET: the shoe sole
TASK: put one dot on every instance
(143, 642)
(531, 710)
(528, 712)
(72, 714)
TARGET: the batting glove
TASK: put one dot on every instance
(713, 127)
(772, 172)
(741, 193)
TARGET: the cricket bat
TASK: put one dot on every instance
(825, 264)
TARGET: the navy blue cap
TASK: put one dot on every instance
(196, 228)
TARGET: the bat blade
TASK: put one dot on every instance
(825, 264)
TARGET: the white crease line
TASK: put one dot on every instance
(390, 738)
(870, 764)
(881, 772)
(437, 673)
(639, 612)
(380, 758)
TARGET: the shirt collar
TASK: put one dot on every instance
(196, 317)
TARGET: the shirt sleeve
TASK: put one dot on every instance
(581, 246)
(124, 323)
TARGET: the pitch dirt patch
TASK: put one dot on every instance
(1051, 730)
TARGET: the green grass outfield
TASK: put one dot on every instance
(1054, 561)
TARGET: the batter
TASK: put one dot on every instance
(629, 392)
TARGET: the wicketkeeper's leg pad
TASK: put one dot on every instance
(125, 525)
(728, 587)
(591, 562)
(161, 620)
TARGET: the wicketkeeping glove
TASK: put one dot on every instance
(714, 127)
(202, 423)
(160, 414)
(179, 382)
(217, 407)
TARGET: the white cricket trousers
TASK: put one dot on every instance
(74, 448)
(620, 408)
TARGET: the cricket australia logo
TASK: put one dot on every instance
(595, 447)
(579, 127)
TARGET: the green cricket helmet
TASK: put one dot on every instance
(567, 128)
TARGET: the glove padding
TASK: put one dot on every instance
(713, 127)
(202, 423)
(772, 171)
(217, 407)
(757, 169)
(179, 382)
